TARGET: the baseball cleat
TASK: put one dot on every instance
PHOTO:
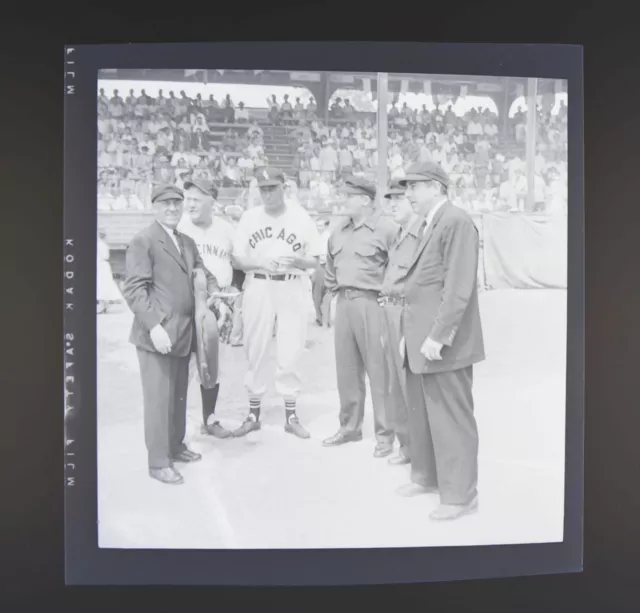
(248, 425)
(217, 430)
(293, 426)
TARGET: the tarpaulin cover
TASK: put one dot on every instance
(524, 251)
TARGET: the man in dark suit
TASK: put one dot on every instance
(159, 290)
(441, 340)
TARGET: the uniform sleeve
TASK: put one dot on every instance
(240, 237)
(460, 255)
(315, 247)
(330, 281)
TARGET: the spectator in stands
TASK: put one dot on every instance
(328, 161)
(144, 160)
(274, 110)
(299, 110)
(165, 140)
(336, 110)
(127, 201)
(312, 109)
(450, 160)
(213, 110)
(345, 159)
(229, 110)
(286, 110)
(482, 147)
(255, 129)
(200, 139)
(396, 162)
(105, 159)
(246, 165)
(242, 114)
(491, 131)
(231, 174)
(189, 159)
(521, 188)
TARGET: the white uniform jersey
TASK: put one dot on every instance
(261, 236)
(215, 245)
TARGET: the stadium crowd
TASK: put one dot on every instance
(143, 140)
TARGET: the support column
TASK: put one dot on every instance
(383, 134)
(532, 88)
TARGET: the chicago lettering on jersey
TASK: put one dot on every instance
(267, 232)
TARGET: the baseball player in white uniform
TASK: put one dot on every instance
(275, 244)
(214, 237)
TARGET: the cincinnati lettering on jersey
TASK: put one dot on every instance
(267, 232)
(209, 249)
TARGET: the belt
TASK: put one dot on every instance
(259, 275)
(394, 301)
(350, 293)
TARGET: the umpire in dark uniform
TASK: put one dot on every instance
(442, 339)
(159, 290)
(392, 301)
(357, 257)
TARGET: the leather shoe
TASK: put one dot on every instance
(382, 450)
(216, 429)
(414, 489)
(188, 456)
(167, 475)
(340, 439)
(399, 460)
(453, 511)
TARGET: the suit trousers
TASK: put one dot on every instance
(164, 390)
(396, 383)
(358, 347)
(444, 434)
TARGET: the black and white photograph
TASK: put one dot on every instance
(338, 312)
(331, 309)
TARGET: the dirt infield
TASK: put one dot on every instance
(271, 490)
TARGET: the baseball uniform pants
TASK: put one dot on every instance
(265, 300)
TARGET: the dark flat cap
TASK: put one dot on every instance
(395, 189)
(425, 171)
(356, 186)
(269, 177)
(166, 191)
(204, 185)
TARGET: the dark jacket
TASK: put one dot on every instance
(441, 290)
(158, 288)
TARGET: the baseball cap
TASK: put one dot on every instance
(166, 191)
(425, 171)
(395, 189)
(204, 185)
(268, 177)
(356, 186)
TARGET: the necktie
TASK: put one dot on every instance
(179, 242)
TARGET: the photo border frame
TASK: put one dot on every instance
(85, 562)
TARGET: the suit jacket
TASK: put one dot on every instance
(441, 292)
(158, 288)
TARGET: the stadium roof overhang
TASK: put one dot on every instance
(322, 84)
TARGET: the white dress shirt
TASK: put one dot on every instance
(173, 237)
